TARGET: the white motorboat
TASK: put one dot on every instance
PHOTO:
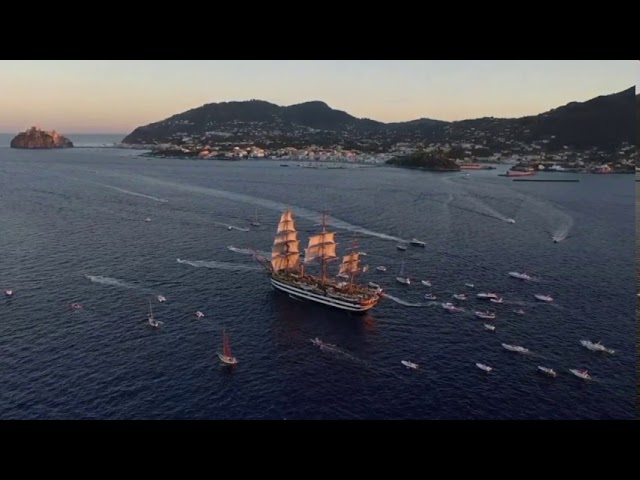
(374, 285)
(426, 283)
(515, 348)
(595, 347)
(8, 292)
(486, 296)
(490, 327)
(543, 298)
(147, 219)
(451, 308)
(460, 296)
(484, 367)
(75, 306)
(401, 247)
(521, 276)
(510, 220)
(519, 312)
(583, 374)
(496, 300)
(199, 314)
(430, 296)
(417, 243)
(408, 364)
(161, 298)
(485, 315)
(470, 285)
(548, 371)
(381, 268)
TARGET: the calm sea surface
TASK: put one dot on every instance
(73, 229)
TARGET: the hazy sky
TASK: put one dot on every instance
(115, 96)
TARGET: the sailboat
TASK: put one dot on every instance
(288, 274)
(401, 278)
(255, 222)
(151, 320)
(226, 357)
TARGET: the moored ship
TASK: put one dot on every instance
(287, 272)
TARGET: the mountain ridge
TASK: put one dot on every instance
(602, 122)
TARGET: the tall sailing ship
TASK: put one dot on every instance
(287, 271)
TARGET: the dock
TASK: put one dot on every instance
(545, 180)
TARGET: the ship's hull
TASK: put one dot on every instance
(340, 303)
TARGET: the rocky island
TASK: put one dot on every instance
(433, 161)
(36, 138)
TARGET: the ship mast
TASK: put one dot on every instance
(322, 246)
(285, 254)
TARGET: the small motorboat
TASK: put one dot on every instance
(451, 308)
(161, 298)
(485, 315)
(486, 296)
(417, 243)
(496, 300)
(226, 357)
(548, 371)
(460, 296)
(408, 364)
(595, 347)
(519, 312)
(8, 292)
(510, 220)
(199, 314)
(543, 298)
(520, 276)
(75, 306)
(484, 367)
(374, 285)
(147, 219)
(229, 227)
(426, 283)
(490, 327)
(401, 247)
(470, 285)
(381, 268)
(430, 296)
(583, 374)
(515, 348)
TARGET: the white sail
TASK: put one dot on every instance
(322, 239)
(287, 236)
(326, 251)
(350, 264)
(285, 254)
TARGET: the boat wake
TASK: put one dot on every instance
(270, 204)
(113, 282)
(122, 190)
(232, 267)
(562, 232)
(231, 227)
(248, 251)
(402, 302)
(485, 209)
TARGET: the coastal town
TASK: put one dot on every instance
(522, 156)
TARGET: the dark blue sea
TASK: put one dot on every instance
(73, 229)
